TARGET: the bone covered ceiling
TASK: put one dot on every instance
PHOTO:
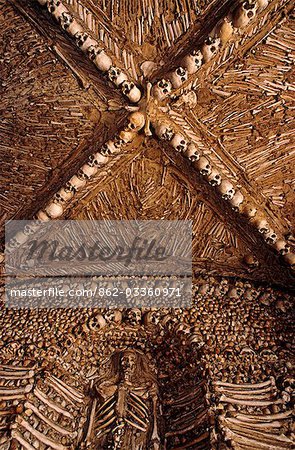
(234, 108)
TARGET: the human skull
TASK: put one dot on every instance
(54, 210)
(262, 225)
(164, 132)
(290, 259)
(63, 196)
(162, 89)
(192, 153)
(65, 20)
(56, 8)
(127, 136)
(210, 48)
(133, 316)
(136, 121)
(108, 148)
(270, 237)
(245, 13)
(193, 61)
(237, 200)
(116, 75)
(204, 166)
(97, 160)
(151, 318)
(113, 315)
(93, 50)
(178, 77)
(131, 91)
(249, 210)
(226, 189)
(76, 183)
(88, 171)
(74, 28)
(214, 178)
(179, 143)
(282, 247)
(81, 38)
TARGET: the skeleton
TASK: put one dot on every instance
(193, 61)
(245, 13)
(178, 77)
(210, 48)
(124, 410)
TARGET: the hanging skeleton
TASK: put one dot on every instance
(124, 408)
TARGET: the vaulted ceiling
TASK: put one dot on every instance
(237, 109)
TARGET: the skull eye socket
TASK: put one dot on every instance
(250, 14)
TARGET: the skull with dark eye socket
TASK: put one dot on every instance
(182, 73)
(127, 86)
(65, 20)
(165, 85)
(93, 51)
(179, 143)
(52, 5)
(80, 38)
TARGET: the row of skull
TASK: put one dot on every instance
(111, 148)
(218, 37)
(92, 49)
(227, 190)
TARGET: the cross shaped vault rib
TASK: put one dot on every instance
(152, 109)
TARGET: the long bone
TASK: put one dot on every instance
(23, 390)
(49, 422)
(77, 396)
(250, 418)
(199, 439)
(7, 375)
(40, 436)
(223, 398)
(246, 392)
(264, 396)
(250, 443)
(10, 368)
(21, 440)
(106, 403)
(250, 386)
(198, 421)
(263, 438)
(179, 404)
(252, 425)
(91, 421)
(44, 399)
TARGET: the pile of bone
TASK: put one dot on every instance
(92, 48)
(254, 416)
